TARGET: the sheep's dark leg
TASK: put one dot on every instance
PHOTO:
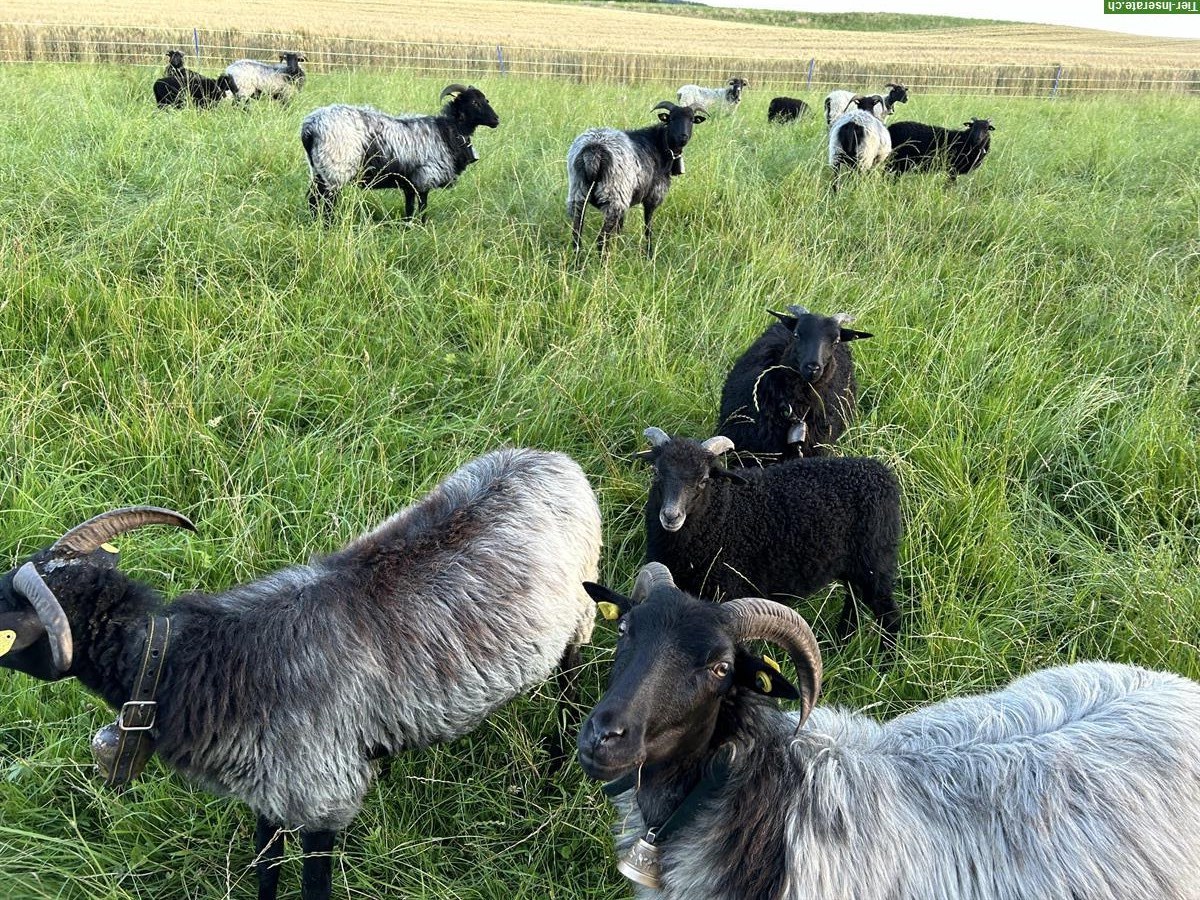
(648, 214)
(848, 622)
(575, 211)
(876, 593)
(317, 879)
(268, 854)
(422, 203)
(614, 221)
(320, 199)
(410, 200)
(566, 684)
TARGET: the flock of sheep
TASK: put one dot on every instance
(1078, 781)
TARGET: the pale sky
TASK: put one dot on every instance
(1083, 13)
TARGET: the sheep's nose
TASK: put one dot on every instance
(671, 520)
(811, 370)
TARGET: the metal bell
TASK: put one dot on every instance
(104, 750)
(642, 864)
(677, 165)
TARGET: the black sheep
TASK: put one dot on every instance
(179, 85)
(792, 392)
(783, 532)
(917, 147)
(786, 109)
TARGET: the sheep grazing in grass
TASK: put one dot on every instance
(361, 145)
(713, 100)
(783, 531)
(786, 109)
(278, 81)
(858, 140)
(924, 148)
(792, 392)
(282, 692)
(612, 170)
(839, 102)
(180, 86)
(1081, 781)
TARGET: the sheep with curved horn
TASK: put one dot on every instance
(1077, 781)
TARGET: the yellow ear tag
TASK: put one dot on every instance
(764, 681)
(110, 548)
(610, 611)
(7, 639)
(770, 662)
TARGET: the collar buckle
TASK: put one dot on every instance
(140, 718)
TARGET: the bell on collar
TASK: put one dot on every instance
(677, 165)
(106, 746)
(642, 864)
(474, 152)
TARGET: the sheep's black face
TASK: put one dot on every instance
(471, 109)
(175, 59)
(679, 121)
(897, 93)
(811, 350)
(736, 86)
(979, 129)
(682, 469)
(675, 662)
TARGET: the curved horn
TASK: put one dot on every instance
(843, 319)
(718, 445)
(651, 575)
(86, 538)
(798, 311)
(756, 619)
(656, 436)
(33, 588)
(664, 104)
(452, 89)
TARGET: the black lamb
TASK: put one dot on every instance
(786, 109)
(781, 532)
(792, 392)
(923, 148)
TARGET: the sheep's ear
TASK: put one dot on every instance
(787, 320)
(849, 334)
(728, 474)
(761, 675)
(610, 604)
(18, 630)
(645, 455)
(664, 117)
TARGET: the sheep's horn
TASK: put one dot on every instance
(797, 311)
(86, 538)
(756, 619)
(718, 445)
(651, 575)
(452, 89)
(33, 588)
(664, 104)
(843, 319)
(656, 436)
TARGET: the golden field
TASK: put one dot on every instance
(596, 42)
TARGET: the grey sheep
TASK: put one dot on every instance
(277, 81)
(283, 691)
(793, 391)
(839, 102)
(858, 139)
(1080, 781)
(614, 170)
(784, 531)
(713, 100)
(361, 145)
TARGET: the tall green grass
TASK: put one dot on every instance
(175, 330)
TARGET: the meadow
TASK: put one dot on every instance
(174, 329)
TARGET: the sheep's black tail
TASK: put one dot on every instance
(592, 162)
(849, 139)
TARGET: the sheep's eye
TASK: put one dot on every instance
(622, 627)
(721, 669)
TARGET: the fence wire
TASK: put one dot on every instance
(209, 49)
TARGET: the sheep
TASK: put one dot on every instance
(612, 170)
(786, 109)
(1076, 781)
(793, 391)
(922, 148)
(838, 102)
(786, 530)
(361, 145)
(279, 81)
(281, 692)
(857, 139)
(713, 100)
(179, 85)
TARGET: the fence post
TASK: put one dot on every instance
(811, 63)
(500, 59)
(196, 43)
(1054, 89)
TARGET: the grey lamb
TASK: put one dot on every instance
(282, 692)
(1081, 781)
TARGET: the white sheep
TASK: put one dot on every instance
(713, 100)
(858, 139)
(280, 81)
